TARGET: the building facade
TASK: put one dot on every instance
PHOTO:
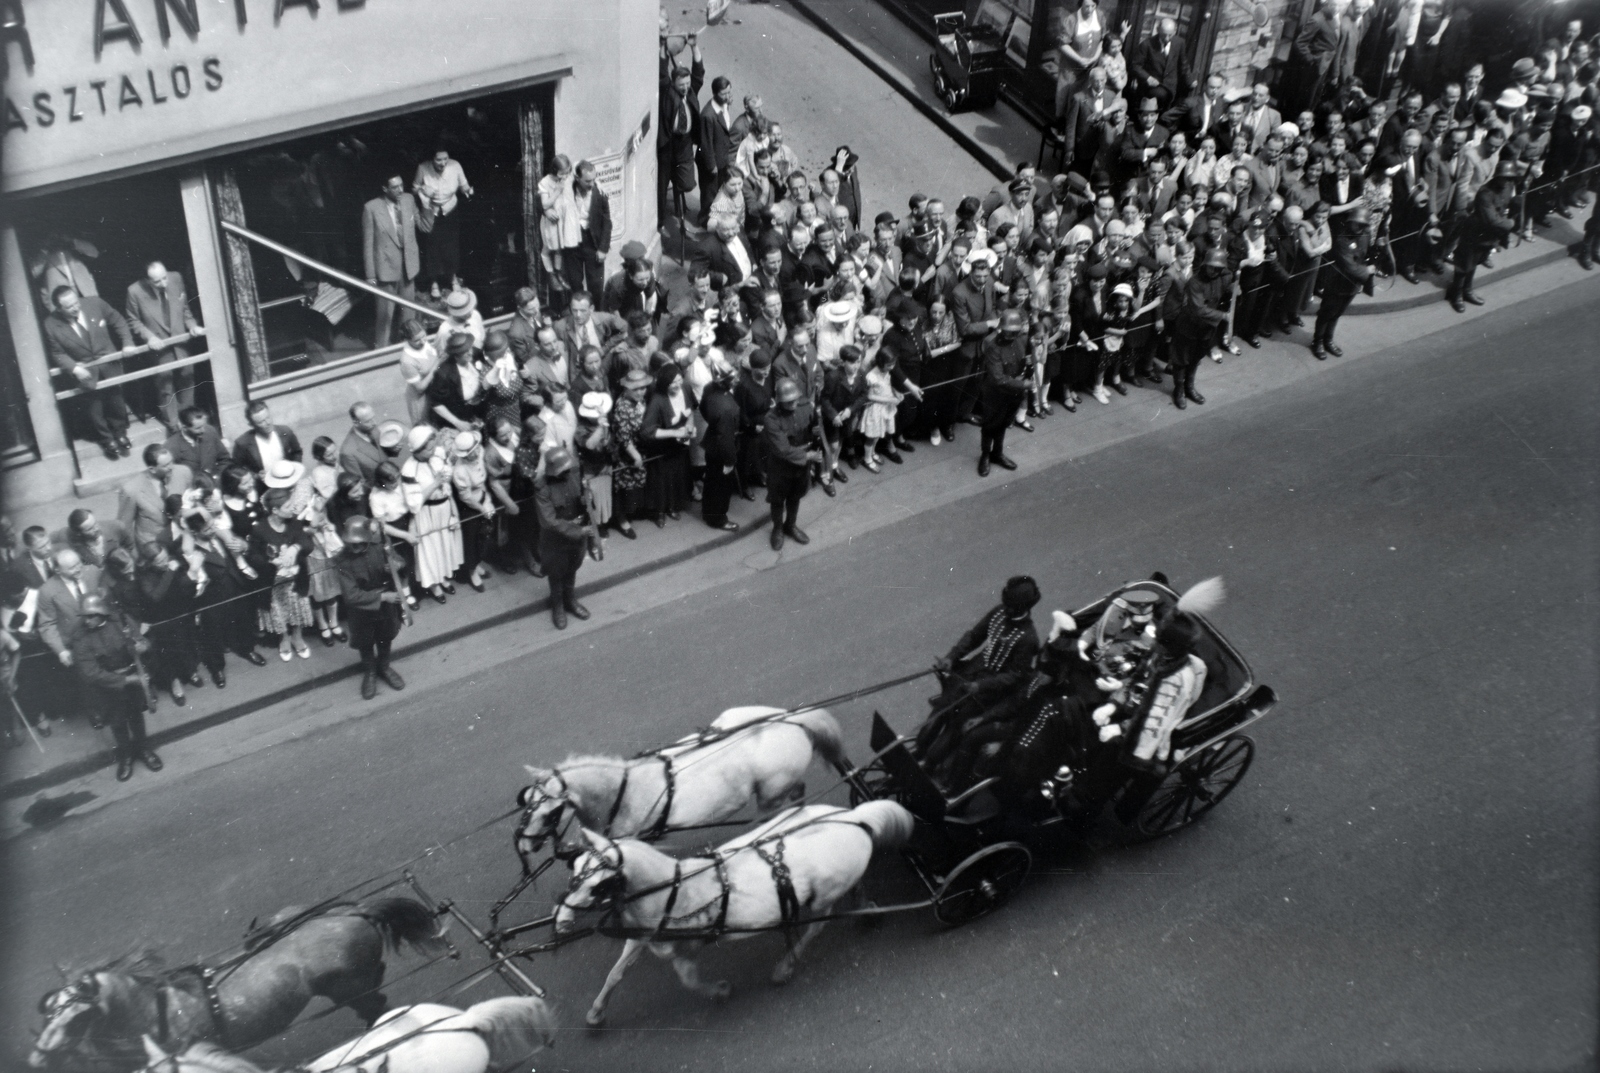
(239, 142)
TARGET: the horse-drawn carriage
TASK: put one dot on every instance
(798, 866)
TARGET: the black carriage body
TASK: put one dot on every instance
(968, 849)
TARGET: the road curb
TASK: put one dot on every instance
(932, 113)
(1417, 301)
(105, 758)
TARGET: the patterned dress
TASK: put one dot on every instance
(627, 418)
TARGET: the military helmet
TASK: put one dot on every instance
(786, 391)
(360, 529)
(95, 606)
(557, 461)
(1216, 257)
(1013, 321)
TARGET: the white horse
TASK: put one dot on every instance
(761, 754)
(736, 889)
(498, 1034)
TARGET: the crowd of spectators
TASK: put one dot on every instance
(1184, 217)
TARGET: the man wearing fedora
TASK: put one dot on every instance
(564, 531)
(372, 603)
(389, 250)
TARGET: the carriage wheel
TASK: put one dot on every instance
(982, 883)
(941, 84)
(877, 783)
(1195, 787)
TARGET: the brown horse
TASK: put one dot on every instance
(99, 1018)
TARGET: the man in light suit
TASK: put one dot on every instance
(158, 309)
(1260, 118)
(78, 332)
(584, 326)
(1095, 116)
(142, 501)
(61, 602)
(389, 250)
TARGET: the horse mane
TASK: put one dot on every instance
(139, 962)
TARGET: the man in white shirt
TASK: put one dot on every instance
(440, 184)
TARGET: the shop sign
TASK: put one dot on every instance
(93, 86)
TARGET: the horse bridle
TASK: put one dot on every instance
(528, 803)
(605, 891)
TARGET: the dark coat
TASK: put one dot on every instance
(445, 390)
(722, 416)
(69, 345)
(1171, 71)
(247, 453)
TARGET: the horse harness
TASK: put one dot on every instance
(206, 977)
(658, 829)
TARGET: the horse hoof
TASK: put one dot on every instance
(783, 973)
(721, 990)
(594, 1018)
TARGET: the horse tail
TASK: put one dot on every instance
(513, 1028)
(403, 921)
(823, 730)
(889, 822)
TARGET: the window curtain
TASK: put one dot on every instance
(532, 123)
(242, 275)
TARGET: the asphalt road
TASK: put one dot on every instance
(1406, 879)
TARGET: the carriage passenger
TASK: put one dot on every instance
(1172, 682)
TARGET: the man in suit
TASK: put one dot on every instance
(830, 196)
(1311, 58)
(1260, 118)
(1266, 171)
(359, 453)
(1354, 26)
(78, 332)
(717, 145)
(767, 327)
(1230, 127)
(976, 310)
(142, 500)
(1194, 116)
(796, 279)
(678, 127)
(265, 443)
(1410, 182)
(61, 602)
(389, 250)
(36, 564)
(1095, 116)
(91, 538)
(158, 309)
(1158, 67)
(527, 319)
(730, 255)
(1345, 274)
(1454, 176)
(586, 270)
(582, 327)
(197, 445)
(1140, 144)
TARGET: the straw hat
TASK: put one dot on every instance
(595, 405)
(461, 303)
(283, 474)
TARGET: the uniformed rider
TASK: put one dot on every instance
(989, 662)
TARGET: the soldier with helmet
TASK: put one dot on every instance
(371, 600)
(1487, 226)
(1347, 273)
(565, 530)
(1005, 385)
(1202, 312)
(787, 432)
(105, 652)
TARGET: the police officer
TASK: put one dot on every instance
(106, 657)
(1202, 311)
(787, 434)
(1347, 272)
(1005, 383)
(1487, 226)
(372, 604)
(564, 532)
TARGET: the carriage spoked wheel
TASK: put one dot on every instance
(941, 84)
(1196, 786)
(981, 883)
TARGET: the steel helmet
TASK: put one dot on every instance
(1360, 215)
(1216, 257)
(95, 606)
(360, 529)
(1506, 169)
(557, 461)
(786, 391)
(1013, 321)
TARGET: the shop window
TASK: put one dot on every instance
(100, 239)
(310, 194)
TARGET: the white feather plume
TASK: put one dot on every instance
(1203, 597)
(1063, 624)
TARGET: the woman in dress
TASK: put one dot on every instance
(167, 594)
(500, 464)
(627, 419)
(664, 438)
(1088, 324)
(436, 524)
(386, 503)
(503, 384)
(943, 343)
(1075, 40)
(419, 359)
(596, 453)
(559, 226)
(470, 477)
(324, 481)
(456, 393)
(280, 550)
(879, 406)
(591, 374)
(560, 417)
(241, 501)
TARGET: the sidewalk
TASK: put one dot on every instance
(261, 705)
